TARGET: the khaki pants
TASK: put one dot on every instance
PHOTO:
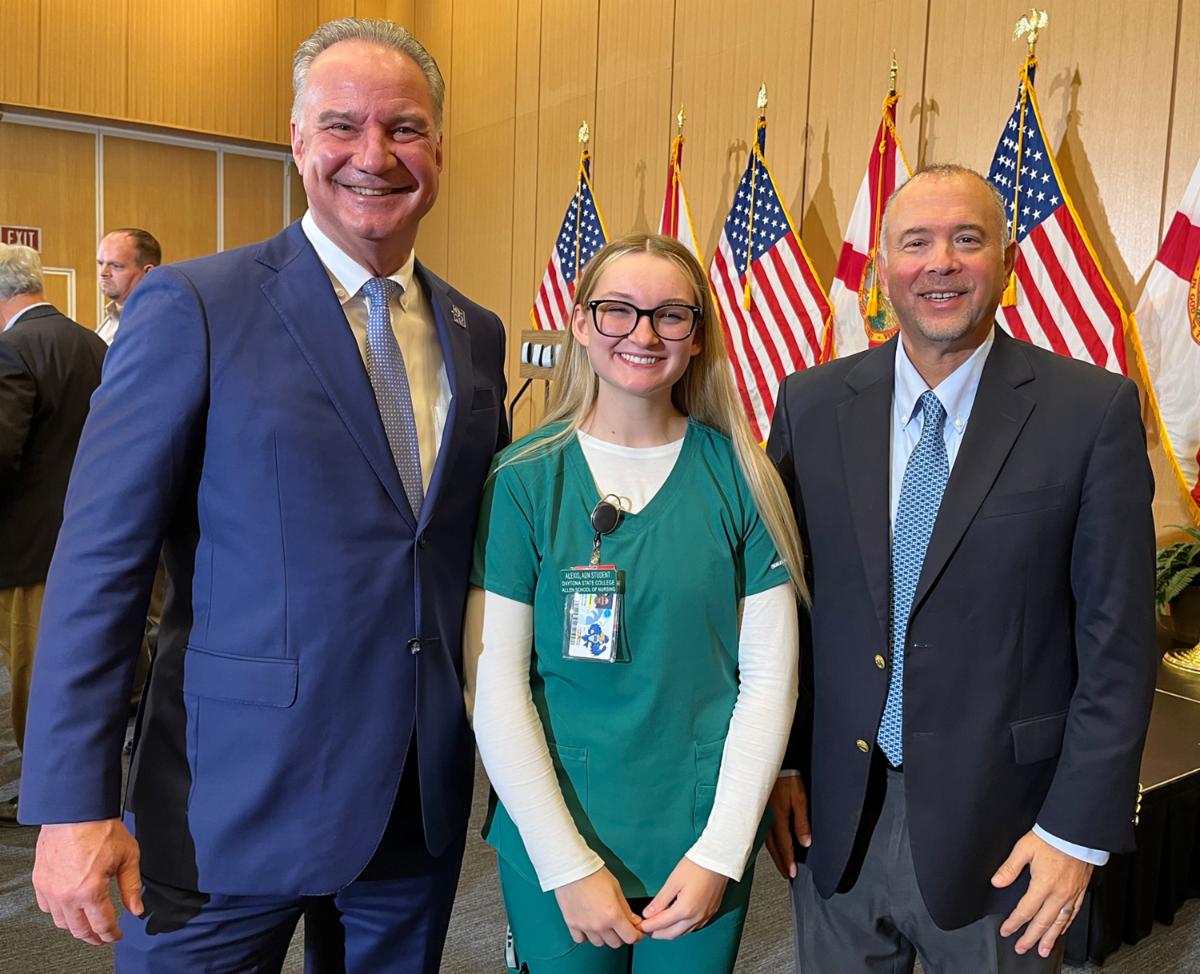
(20, 609)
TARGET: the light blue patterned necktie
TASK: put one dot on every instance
(389, 380)
(921, 491)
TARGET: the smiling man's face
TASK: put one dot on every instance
(368, 150)
(944, 263)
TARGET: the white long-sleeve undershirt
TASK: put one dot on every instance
(498, 641)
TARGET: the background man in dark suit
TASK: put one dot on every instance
(307, 422)
(981, 662)
(49, 368)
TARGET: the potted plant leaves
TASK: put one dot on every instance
(1177, 587)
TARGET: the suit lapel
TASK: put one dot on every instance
(302, 296)
(997, 417)
(864, 425)
(455, 340)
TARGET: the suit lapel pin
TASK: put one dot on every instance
(459, 316)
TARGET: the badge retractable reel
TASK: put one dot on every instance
(592, 596)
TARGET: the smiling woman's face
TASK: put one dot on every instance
(641, 364)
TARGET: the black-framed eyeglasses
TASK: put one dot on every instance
(670, 322)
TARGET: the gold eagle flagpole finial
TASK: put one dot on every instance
(679, 120)
(762, 99)
(1032, 23)
(585, 134)
(893, 74)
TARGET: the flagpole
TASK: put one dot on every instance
(1032, 23)
(754, 149)
(584, 138)
(676, 149)
(889, 103)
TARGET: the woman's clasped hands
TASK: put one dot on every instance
(594, 908)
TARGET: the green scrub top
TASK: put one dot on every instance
(636, 744)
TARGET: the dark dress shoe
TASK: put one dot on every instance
(8, 814)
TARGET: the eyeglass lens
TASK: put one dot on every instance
(617, 319)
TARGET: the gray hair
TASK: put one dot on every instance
(385, 33)
(20, 271)
(943, 171)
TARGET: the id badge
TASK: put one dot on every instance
(592, 613)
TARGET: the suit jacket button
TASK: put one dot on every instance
(862, 745)
(880, 661)
(414, 645)
(421, 541)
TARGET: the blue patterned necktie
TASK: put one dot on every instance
(921, 491)
(389, 379)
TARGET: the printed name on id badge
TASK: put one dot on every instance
(592, 605)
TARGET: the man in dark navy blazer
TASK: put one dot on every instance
(304, 425)
(976, 701)
(49, 368)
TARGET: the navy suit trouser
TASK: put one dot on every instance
(392, 919)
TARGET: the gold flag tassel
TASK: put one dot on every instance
(888, 104)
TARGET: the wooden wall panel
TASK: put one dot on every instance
(295, 20)
(253, 196)
(634, 111)
(85, 57)
(434, 28)
(401, 11)
(723, 52)
(57, 288)
(334, 9)
(1185, 120)
(20, 64)
(299, 201)
(209, 67)
(480, 208)
(522, 75)
(527, 262)
(853, 43)
(1097, 68)
(567, 95)
(169, 190)
(49, 181)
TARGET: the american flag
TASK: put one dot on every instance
(676, 219)
(1168, 323)
(775, 310)
(581, 235)
(1063, 301)
(860, 316)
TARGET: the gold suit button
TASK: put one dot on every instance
(880, 662)
(862, 745)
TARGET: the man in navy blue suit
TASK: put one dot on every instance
(304, 426)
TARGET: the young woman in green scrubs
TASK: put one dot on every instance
(633, 677)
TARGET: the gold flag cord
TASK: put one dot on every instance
(1009, 298)
(579, 209)
(747, 302)
(888, 129)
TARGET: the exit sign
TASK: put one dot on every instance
(25, 236)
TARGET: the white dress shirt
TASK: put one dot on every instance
(413, 326)
(112, 321)
(956, 393)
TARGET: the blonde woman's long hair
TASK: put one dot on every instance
(705, 392)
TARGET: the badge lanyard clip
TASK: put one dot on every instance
(606, 515)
